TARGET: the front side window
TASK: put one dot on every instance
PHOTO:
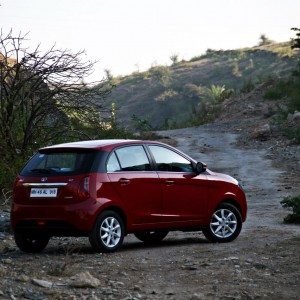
(169, 161)
(133, 158)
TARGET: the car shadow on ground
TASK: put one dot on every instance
(132, 245)
(137, 245)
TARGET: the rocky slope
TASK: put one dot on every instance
(168, 95)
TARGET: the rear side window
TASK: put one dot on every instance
(133, 158)
(113, 164)
(62, 163)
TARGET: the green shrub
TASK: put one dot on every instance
(293, 134)
(174, 59)
(248, 86)
(294, 93)
(166, 95)
(161, 74)
(273, 94)
(9, 168)
(196, 58)
(277, 91)
(236, 70)
(192, 91)
(264, 40)
(294, 204)
(217, 93)
(141, 124)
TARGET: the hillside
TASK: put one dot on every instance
(167, 96)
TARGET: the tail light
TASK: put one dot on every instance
(84, 188)
(86, 184)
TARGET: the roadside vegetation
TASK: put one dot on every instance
(292, 203)
(287, 91)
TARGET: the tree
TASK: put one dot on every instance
(264, 40)
(108, 74)
(296, 40)
(174, 59)
(42, 93)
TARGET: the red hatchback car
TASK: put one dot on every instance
(109, 188)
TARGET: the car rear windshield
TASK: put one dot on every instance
(60, 163)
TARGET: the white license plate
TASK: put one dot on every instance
(43, 192)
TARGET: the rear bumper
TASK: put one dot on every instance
(72, 219)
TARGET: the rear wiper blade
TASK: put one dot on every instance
(45, 171)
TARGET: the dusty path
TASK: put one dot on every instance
(263, 263)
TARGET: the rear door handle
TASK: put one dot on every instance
(124, 181)
(169, 182)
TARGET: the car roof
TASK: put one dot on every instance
(105, 145)
(95, 144)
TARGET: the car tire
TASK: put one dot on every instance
(225, 224)
(108, 232)
(31, 243)
(151, 237)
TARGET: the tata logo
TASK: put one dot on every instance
(44, 179)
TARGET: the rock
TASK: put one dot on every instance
(170, 293)
(72, 297)
(262, 132)
(205, 264)
(84, 280)
(233, 258)
(42, 283)
(190, 266)
(1, 293)
(294, 118)
(198, 296)
(115, 283)
(23, 278)
(137, 288)
(4, 222)
(7, 261)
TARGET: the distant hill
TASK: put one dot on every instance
(166, 95)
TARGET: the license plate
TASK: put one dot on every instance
(43, 192)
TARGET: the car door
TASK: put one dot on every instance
(185, 195)
(130, 173)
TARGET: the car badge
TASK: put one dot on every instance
(43, 179)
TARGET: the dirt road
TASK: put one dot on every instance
(263, 263)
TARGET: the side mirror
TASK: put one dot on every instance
(200, 167)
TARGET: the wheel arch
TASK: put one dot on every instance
(233, 202)
(119, 211)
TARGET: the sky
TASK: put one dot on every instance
(130, 35)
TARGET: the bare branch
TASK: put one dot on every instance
(41, 91)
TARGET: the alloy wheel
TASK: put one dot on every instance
(223, 223)
(110, 232)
